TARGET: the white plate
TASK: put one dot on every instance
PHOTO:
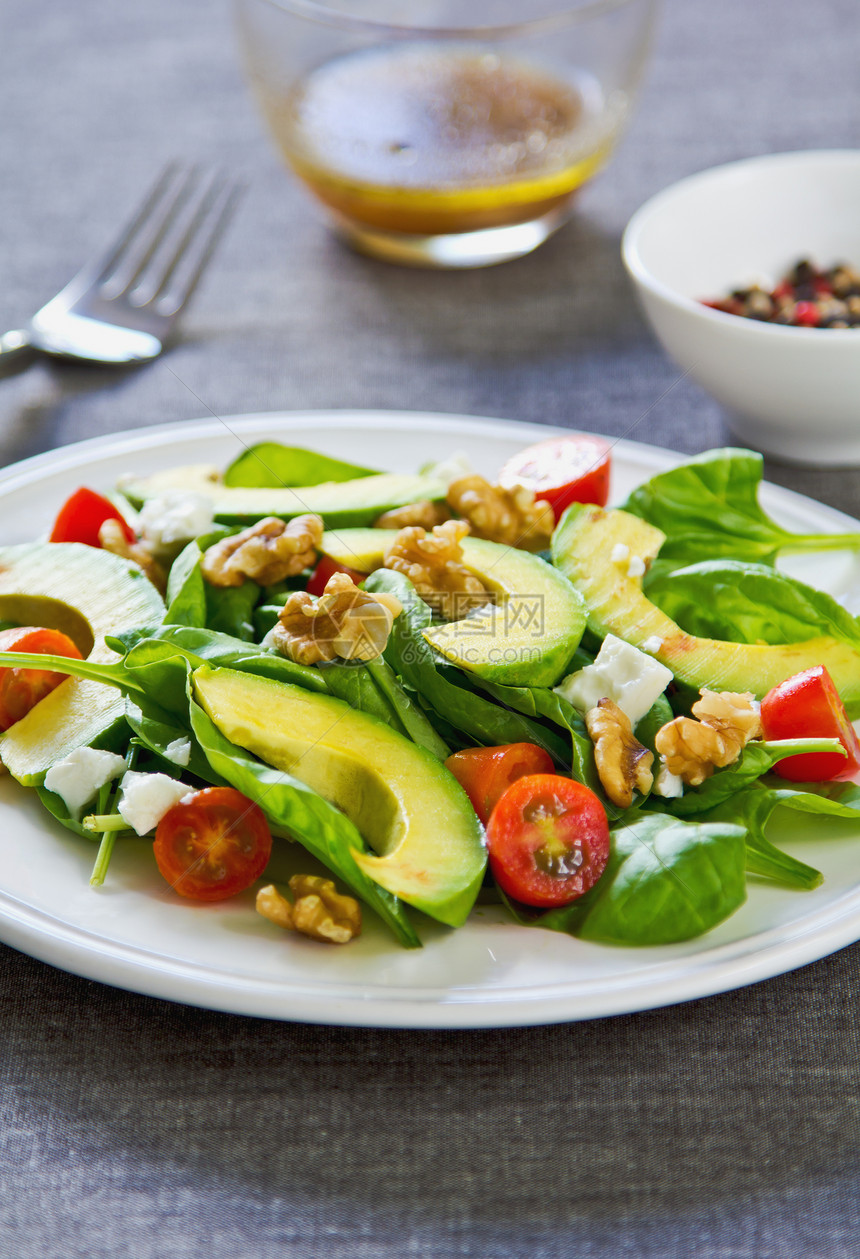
(137, 935)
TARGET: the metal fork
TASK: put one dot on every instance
(121, 307)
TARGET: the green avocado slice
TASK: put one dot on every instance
(583, 547)
(87, 593)
(528, 633)
(427, 841)
(356, 502)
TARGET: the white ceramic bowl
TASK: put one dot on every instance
(791, 392)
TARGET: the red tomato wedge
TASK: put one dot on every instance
(327, 568)
(563, 470)
(213, 844)
(486, 773)
(548, 840)
(81, 517)
(21, 689)
(808, 706)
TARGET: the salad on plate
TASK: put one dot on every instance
(444, 689)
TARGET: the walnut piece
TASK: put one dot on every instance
(433, 562)
(622, 762)
(423, 513)
(726, 723)
(345, 623)
(112, 538)
(511, 517)
(318, 909)
(267, 552)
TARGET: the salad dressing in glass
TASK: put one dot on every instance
(434, 139)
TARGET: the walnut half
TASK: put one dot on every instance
(433, 562)
(511, 517)
(318, 910)
(726, 723)
(424, 513)
(622, 762)
(267, 552)
(343, 623)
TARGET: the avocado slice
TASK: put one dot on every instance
(87, 593)
(582, 548)
(406, 804)
(356, 502)
(526, 637)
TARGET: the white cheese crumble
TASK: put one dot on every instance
(621, 673)
(620, 553)
(173, 519)
(652, 645)
(179, 751)
(666, 784)
(147, 797)
(78, 776)
(636, 567)
(450, 469)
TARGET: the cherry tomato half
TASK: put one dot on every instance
(327, 568)
(82, 515)
(486, 773)
(548, 840)
(213, 844)
(562, 470)
(807, 706)
(21, 689)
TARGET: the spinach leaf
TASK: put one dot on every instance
(410, 718)
(230, 609)
(750, 603)
(543, 704)
(186, 589)
(755, 760)
(751, 809)
(58, 809)
(414, 661)
(321, 828)
(269, 465)
(191, 600)
(157, 729)
(666, 881)
(708, 508)
(754, 807)
(200, 645)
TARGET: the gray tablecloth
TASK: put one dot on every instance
(724, 1127)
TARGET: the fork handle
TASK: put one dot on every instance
(16, 352)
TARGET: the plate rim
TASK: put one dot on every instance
(73, 948)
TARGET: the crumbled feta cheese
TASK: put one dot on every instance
(666, 784)
(636, 567)
(450, 469)
(621, 673)
(147, 797)
(620, 553)
(174, 518)
(652, 645)
(179, 751)
(78, 776)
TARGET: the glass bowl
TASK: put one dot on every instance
(439, 137)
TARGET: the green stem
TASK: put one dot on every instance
(798, 543)
(102, 823)
(798, 747)
(109, 674)
(109, 824)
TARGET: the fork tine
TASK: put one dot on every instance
(102, 265)
(152, 230)
(197, 245)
